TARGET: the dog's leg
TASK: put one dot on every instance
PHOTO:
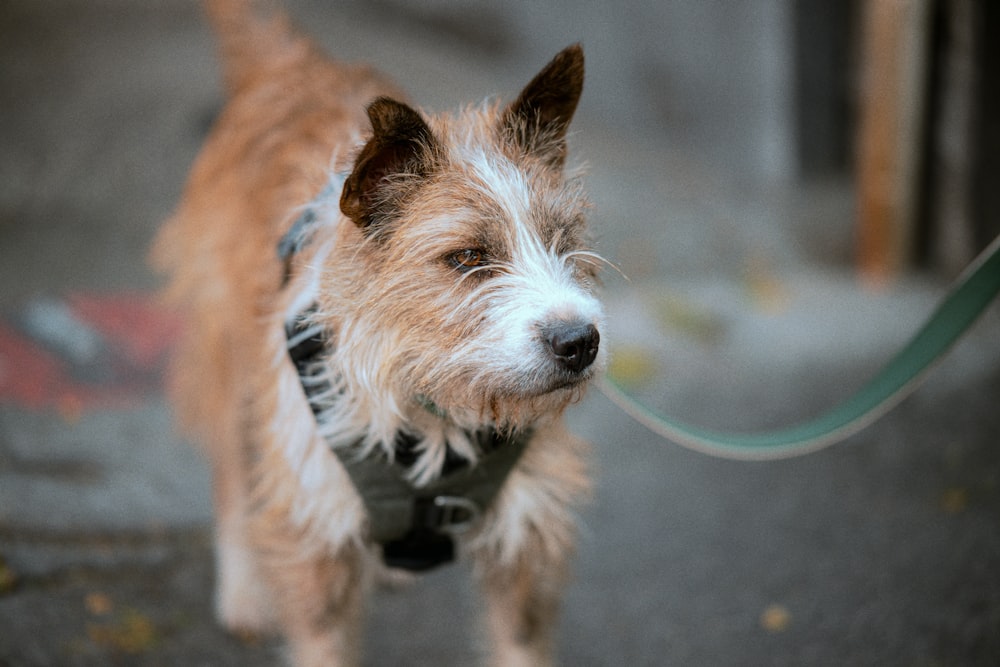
(524, 550)
(242, 600)
(522, 605)
(321, 600)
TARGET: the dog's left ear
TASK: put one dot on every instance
(537, 121)
(401, 146)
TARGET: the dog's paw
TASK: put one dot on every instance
(244, 612)
(242, 603)
(248, 621)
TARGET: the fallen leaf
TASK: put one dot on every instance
(131, 633)
(98, 604)
(775, 618)
(632, 366)
(955, 500)
(688, 318)
(8, 578)
(768, 292)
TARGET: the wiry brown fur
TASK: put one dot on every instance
(291, 530)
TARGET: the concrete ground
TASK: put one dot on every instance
(740, 313)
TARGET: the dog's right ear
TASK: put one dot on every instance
(401, 147)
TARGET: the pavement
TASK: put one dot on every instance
(741, 311)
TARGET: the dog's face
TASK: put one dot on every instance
(470, 284)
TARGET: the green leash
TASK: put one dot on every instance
(968, 298)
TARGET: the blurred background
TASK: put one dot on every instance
(787, 188)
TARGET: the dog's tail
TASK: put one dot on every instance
(254, 39)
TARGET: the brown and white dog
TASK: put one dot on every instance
(444, 258)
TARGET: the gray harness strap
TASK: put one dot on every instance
(417, 526)
(450, 505)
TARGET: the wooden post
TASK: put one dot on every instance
(893, 66)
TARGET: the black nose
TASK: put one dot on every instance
(574, 346)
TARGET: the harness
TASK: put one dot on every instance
(416, 526)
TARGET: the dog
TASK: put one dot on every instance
(371, 291)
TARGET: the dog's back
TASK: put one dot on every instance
(288, 110)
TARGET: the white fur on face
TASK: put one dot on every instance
(471, 341)
(535, 287)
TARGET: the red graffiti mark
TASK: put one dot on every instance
(139, 328)
(134, 333)
(29, 376)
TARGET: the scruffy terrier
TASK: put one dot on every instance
(387, 314)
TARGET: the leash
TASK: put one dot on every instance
(968, 298)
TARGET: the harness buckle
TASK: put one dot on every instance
(454, 515)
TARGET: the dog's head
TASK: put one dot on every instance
(469, 281)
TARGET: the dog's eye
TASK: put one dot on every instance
(468, 259)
